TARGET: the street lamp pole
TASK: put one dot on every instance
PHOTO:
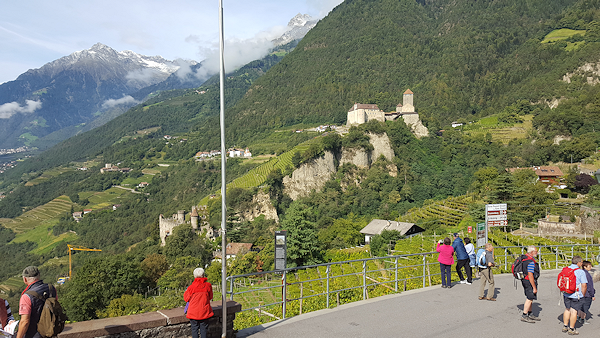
(223, 184)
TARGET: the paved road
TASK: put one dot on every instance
(436, 312)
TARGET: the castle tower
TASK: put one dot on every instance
(407, 102)
(180, 215)
(194, 218)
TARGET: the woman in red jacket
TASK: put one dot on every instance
(198, 295)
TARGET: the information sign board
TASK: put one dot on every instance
(481, 234)
(496, 215)
(280, 250)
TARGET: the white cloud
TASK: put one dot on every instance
(9, 109)
(238, 52)
(323, 6)
(128, 99)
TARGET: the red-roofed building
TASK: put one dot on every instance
(546, 174)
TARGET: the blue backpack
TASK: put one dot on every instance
(481, 258)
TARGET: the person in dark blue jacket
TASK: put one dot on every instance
(462, 260)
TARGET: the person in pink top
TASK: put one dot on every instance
(446, 260)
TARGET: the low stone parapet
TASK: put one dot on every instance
(170, 323)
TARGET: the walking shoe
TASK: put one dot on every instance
(462, 282)
(526, 319)
(573, 332)
(492, 299)
(482, 298)
(468, 283)
(565, 329)
(580, 320)
(533, 317)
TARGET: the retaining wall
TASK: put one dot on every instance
(160, 324)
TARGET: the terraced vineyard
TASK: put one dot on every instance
(258, 175)
(35, 217)
(449, 211)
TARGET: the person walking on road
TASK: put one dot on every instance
(530, 285)
(198, 295)
(462, 260)
(486, 274)
(470, 248)
(446, 260)
(590, 294)
(574, 301)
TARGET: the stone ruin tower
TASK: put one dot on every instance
(166, 225)
(198, 221)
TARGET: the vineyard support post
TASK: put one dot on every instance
(364, 280)
(572, 252)
(284, 293)
(396, 277)
(327, 270)
(424, 263)
(301, 296)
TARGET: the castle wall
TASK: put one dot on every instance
(415, 125)
(165, 226)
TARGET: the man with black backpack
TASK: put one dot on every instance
(36, 296)
(531, 273)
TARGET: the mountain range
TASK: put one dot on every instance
(88, 88)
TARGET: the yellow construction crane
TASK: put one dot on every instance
(78, 248)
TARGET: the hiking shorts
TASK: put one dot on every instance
(573, 303)
(528, 288)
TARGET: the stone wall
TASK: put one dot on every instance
(166, 225)
(160, 324)
(589, 219)
(546, 227)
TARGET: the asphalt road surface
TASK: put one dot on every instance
(437, 312)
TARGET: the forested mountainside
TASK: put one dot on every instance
(460, 58)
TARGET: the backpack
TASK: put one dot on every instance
(52, 318)
(567, 281)
(519, 268)
(481, 258)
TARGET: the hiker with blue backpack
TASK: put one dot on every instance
(485, 262)
(572, 282)
(462, 260)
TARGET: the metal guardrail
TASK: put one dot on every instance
(421, 266)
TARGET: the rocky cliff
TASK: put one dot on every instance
(261, 205)
(313, 175)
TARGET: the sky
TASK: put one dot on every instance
(35, 32)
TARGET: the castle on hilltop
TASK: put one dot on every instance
(363, 113)
(166, 225)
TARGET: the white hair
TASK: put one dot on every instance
(198, 272)
(531, 249)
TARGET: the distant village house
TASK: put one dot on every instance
(545, 174)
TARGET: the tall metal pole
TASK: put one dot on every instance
(223, 182)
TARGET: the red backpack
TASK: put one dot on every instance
(567, 282)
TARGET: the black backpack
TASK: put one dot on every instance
(519, 267)
(52, 318)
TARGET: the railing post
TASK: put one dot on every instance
(364, 280)
(327, 270)
(505, 258)
(396, 276)
(557, 257)
(586, 252)
(231, 287)
(424, 262)
(284, 293)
